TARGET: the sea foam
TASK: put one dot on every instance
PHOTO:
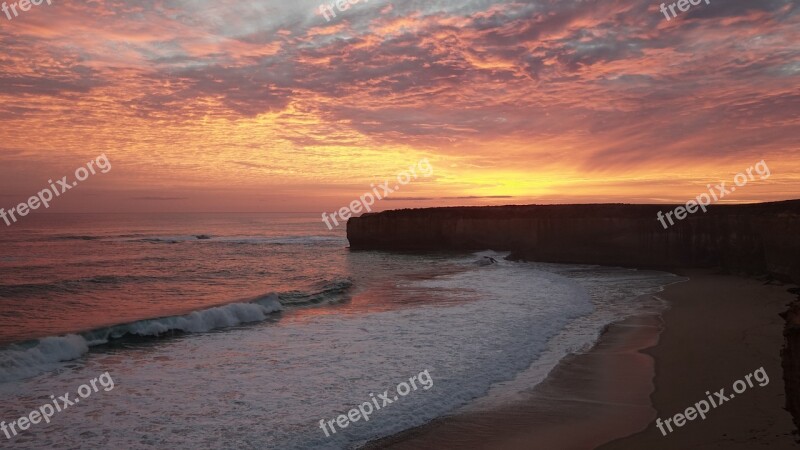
(32, 358)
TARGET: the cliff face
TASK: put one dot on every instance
(762, 238)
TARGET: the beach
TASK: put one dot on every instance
(345, 328)
(718, 329)
(339, 225)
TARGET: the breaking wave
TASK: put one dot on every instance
(31, 358)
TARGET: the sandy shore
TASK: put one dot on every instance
(718, 329)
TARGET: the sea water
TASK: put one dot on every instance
(246, 330)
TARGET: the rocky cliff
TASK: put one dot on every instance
(758, 238)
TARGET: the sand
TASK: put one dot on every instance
(719, 328)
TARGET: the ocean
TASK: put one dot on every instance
(247, 330)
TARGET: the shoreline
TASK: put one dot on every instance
(719, 329)
(715, 328)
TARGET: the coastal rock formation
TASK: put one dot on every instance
(749, 239)
(757, 238)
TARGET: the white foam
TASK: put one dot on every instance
(202, 321)
(268, 386)
(19, 361)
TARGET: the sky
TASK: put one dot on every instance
(245, 106)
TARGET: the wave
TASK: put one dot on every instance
(28, 359)
(327, 293)
(23, 361)
(74, 237)
(75, 285)
(78, 285)
(202, 321)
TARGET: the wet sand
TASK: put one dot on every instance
(718, 329)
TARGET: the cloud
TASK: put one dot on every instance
(192, 91)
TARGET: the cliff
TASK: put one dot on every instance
(754, 239)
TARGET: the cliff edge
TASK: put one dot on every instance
(755, 238)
